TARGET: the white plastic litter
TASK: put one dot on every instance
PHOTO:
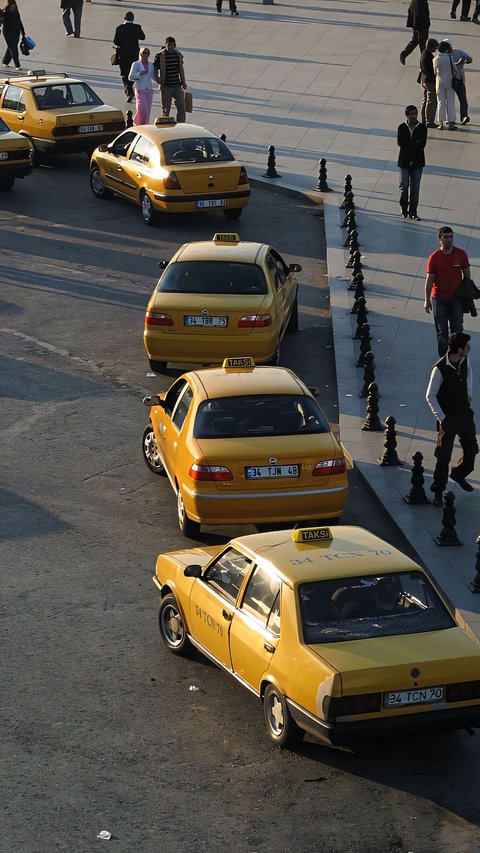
(105, 835)
(193, 688)
(150, 375)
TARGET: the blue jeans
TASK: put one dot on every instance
(445, 312)
(410, 177)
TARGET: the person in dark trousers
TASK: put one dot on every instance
(169, 66)
(419, 20)
(126, 39)
(465, 9)
(460, 58)
(476, 13)
(427, 79)
(446, 268)
(75, 6)
(12, 30)
(231, 3)
(411, 139)
(449, 394)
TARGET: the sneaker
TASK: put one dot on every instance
(452, 126)
(404, 214)
(18, 68)
(461, 481)
(234, 13)
(5, 65)
(465, 120)
(465, 18)
(439, 126)
(402, 58)
(475, 21)
(415, 217)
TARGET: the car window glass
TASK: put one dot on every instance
(259, 415)
(4, 128)
(260, 594)
(12, 95)
(371, 606)
(218, 277)
(182, 407)
(122, 143)
(141, 150)
(62, 95)
(228, 572)
(273, 623)
(283, 270)
(173, 394)
(199, 149)
(21, 102)
(276, 269)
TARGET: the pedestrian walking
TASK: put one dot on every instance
(460, 58)
(75, 6)
(476, 13)
(231, 3)
(444, 72)
(427, 79)
(12, 30)
(449, 394)
(446, 268)
(465, 9)
(169, 65)
(126, 39)
(418, 18)
(411, 139)
(142, 73)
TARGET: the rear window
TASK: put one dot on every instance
(200, 149)
(64, 95)
(358, 608)
(213, 277)
(265, 415)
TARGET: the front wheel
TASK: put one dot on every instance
(281, 727)
(96, 183)
(150, 452)
(173, 630)
(189, 528)
(233, 213)
(157, 366)
(148, 211)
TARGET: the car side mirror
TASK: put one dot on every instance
(314, 392)
(163, 265)
(193, 571)
(295, 268)
(154, 400)
(103, 148)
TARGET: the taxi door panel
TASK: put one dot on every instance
(252, 648)
(210, 619)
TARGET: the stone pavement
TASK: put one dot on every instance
(323, 78)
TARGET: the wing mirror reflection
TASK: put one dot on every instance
(163, 264)
(193, 571)
(103, 148)
(154, 400)
(314, 392)
(295, 268)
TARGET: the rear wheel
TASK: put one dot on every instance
(293, 320)
(157, 366)
(148, 212)
(189, 528)
(7, 183)
(281, 727)
(150, 452)
(173, 630)
(96, 183)
(233, 213)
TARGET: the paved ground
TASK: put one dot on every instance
(324, 79)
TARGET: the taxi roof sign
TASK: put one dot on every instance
(223, 237)
(238, 362)
(312, 534)
(160, 121)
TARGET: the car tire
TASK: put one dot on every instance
(275, 360)
(157, 366)
(7, 183)
(150, 452)
(173, 630)
(149, 213)
(293, 319)
(35, 161)
(97, 186)
(233, 213)
(189, 528)
(281, 727)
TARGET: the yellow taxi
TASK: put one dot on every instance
(245, 445)
(218, 298)
(338, 633)
(171, 168)
(15, 157)
(57, 113)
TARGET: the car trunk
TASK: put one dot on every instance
(206, 314)
(208, 178)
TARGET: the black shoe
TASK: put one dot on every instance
(431, 125)
(465, 120)
(234, 13)
(415, 217)
(461, 481)
(452, 126)
(475, 21)
(402, 58)
(465, 18)
(404, 214)
(438, 499)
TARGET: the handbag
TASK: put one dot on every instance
(31, 43)
(188, 102)
(467, 289)
(24, 48)
(115, 57)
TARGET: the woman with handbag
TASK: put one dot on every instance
(12, 30)
(141, 74)
(444, 72)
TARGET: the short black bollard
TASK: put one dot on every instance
(372, 421)
(365, 345)
(271, 164)
(322, 185)
(416, 495)
(448, 534)
(356, 278)
(353, 242)
(474, 585)
(349, 220)
(347, 189)
(129, 119)
(361, 317)
(390, 455)
(351, 227)
(358, 294)
(368, 373)
(354, 260)
(349, 205)
(357, 264)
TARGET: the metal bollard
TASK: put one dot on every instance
(372, 421)
(271, 164)
(368, 373)
(390, 455)
(416, 495)
(448, 534)
(347, 189)
(322, 177)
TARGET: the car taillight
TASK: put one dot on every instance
(243, 179)
(463, 691)
(171, 182)
(154, 319)
(346, 706)
(257, 321)
(210, 472)
(330, 466)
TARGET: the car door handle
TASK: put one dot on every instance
(20, 118)
(119, 168)
(139, 174)
(226, 615)
(269, 648)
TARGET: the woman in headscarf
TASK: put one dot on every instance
(142, 73)
(12, 30)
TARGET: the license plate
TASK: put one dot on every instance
(211, 202)
(90, 128)
(272, 471)
(205, 321)
(3, 155)
(419, 696)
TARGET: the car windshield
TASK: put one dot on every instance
(261, 414)
(64, 95)
(226, 277)
(4, 128)
(359, 608)
(199, 149)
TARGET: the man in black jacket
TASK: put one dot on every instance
(126, 38)
(419, 20)
(427, 79)
(411, 139)
(449, 394)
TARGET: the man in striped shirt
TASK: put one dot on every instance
(172, 78)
